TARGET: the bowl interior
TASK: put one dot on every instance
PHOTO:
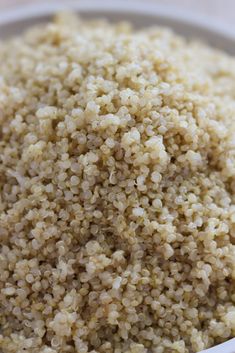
(187, 24)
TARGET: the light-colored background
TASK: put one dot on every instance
(223, 10)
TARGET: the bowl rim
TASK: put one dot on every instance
(212, 25)
(34, 10)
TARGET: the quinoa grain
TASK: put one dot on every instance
(117, 167)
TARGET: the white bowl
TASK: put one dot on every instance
(141, 14)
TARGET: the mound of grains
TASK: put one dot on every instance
(117, 187)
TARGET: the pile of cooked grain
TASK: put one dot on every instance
(117, 186)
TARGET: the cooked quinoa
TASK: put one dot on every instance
(117, 191)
